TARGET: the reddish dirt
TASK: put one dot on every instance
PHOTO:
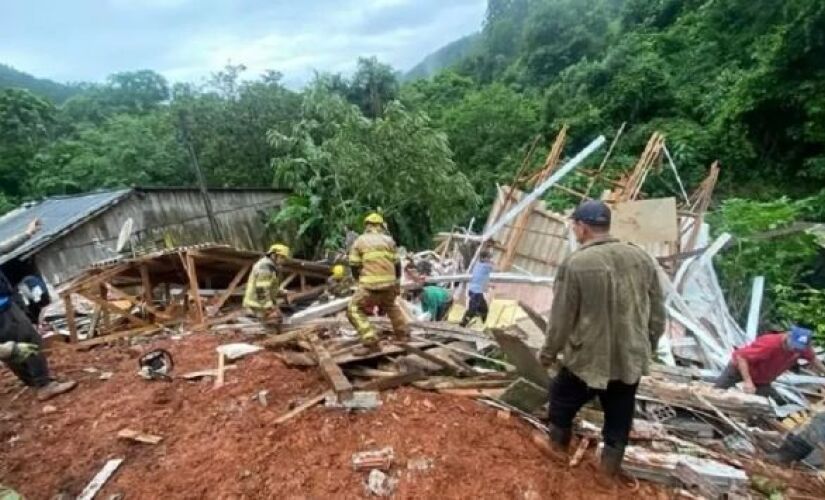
(222, 443)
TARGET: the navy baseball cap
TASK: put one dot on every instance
(592, 213)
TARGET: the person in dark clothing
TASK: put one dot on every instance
(34, 296)
(607, 317)
(15, 327)
(479, 280)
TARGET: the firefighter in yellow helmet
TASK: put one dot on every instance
(262, 288)
(375, 265)
(339, 283)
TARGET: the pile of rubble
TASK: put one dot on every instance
(689, 436)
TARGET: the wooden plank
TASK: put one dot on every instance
(100, 479)
(386, 383)
(537, 319)
(432, 358)
(646, 221)
(233, 285)
(136, 303)
(146, 283)
(192, 273)
(309, 403)
(112, 337)
(219, 379)
(70, 318)
(140, 437)
(331, 371)
(108, 306)
(289, 279)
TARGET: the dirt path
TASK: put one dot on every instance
(221, 443)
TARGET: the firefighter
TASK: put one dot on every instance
(339, 284)
(262, 288)
(374, 263)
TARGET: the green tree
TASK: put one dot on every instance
(125, 150)
(373, 85)
(25, 123)
(340, 165)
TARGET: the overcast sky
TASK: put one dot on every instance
(85, 40)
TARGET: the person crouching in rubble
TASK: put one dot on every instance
(17, 334)
(607, 317)
(262, 288)
(435, 300)
(374, 263)
(759, 363)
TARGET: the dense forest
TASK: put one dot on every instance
(739, 81)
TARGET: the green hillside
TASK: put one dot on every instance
(56, 92)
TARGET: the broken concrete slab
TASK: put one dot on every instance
(525, 360)
(525, 395)
(359, 400)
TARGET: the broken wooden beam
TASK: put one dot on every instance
(309, 403)
(332, 372)
(140, 437)
(97, 482)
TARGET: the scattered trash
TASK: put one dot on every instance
(156, 365)
(368, 460)
(261, 397)
(48, 409)
(105, 375)
(380, 484)
(419, 464)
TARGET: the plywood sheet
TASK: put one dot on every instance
(646, 221)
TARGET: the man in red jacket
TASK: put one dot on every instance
(759, 363)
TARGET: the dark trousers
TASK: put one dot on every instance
(731, 376)
(443, 309)
(15, 326)
(569, 393)
(476, 307)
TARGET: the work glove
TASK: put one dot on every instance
(23, 351)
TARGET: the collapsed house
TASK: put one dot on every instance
(687, 434)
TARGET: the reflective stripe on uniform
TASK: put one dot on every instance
(379, 254)
(379, 278)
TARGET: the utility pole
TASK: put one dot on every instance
(193, 158)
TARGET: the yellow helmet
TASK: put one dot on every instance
(338, 271)
(279, 249)
(374, 218)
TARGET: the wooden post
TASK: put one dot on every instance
(104, 296)
(146, 283)
(192, 272)
(70, 319)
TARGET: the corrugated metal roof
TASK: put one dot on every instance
(58, 215)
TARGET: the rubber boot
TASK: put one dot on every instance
(793, 449)
(55, 388)
(560, 437)
(611, 462)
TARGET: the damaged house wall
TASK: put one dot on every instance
(161, 217)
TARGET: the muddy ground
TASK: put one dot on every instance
(222, 443)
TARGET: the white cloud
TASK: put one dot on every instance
(186, 40)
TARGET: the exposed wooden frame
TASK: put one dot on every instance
(233, 285)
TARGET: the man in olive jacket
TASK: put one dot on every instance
(608, 314)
